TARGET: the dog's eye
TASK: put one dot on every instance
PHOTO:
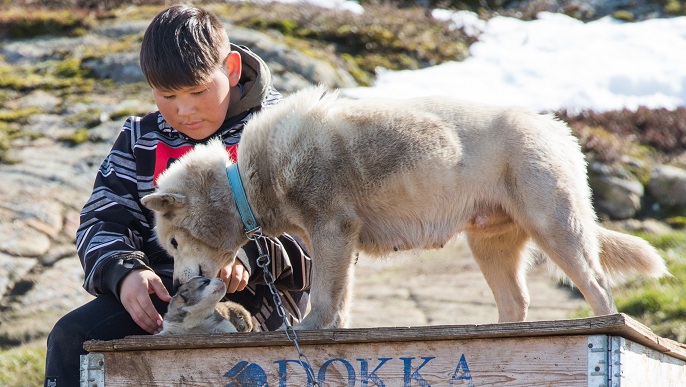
(174, 243)
(205, 283)
(184, 294)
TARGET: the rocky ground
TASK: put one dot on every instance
(445, 287)
(42, 193)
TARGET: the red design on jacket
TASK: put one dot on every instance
(166, 155)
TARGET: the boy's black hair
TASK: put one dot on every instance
(182, 47)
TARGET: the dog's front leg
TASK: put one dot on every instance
(332, 278)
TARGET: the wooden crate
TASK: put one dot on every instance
(612, 350)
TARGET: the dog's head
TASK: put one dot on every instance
(199, 294)
(194, 301)
(197, 308)
(196, 219)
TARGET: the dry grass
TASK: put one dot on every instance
(23, 365)
(16, 22)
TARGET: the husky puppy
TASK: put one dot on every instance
(384, 175)
(196, 308)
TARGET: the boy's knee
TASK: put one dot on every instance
(65, 333)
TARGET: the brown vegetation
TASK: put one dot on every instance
(606, 133)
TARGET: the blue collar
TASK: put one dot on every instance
(249, 222)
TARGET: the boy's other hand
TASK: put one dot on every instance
(135, 292)
(235, 276)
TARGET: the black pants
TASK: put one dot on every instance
(104, 318)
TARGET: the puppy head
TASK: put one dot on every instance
(198, 297)
(196, 219)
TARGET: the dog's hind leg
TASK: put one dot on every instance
(501, 259)
(575, 250)
(560, 219)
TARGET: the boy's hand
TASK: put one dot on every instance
(235, 276)
(135, 292)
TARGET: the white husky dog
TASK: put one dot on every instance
(384, 175)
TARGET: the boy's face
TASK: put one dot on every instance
(199, 111)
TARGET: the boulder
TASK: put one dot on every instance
(616, 192)
(667, 186)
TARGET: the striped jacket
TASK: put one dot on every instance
(116, 235)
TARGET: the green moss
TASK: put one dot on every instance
(79, 136)
(88, 118)
(677, 221)
(7, 95)
(18, 115)
(18, 78)
(645, 155)
(4, 136)
(64, 74)
(69, 68)
(285, 26)
(674, 7)
(123, 113)
(353, 65)
(126, 43)
(10, 128)
(623, 15)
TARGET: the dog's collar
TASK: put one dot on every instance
(249, 222)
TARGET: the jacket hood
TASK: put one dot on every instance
(255, 77)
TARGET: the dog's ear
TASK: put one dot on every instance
(164, 202)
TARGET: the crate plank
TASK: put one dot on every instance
(542, 361)
(615, 324)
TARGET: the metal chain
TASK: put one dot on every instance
(263, 262)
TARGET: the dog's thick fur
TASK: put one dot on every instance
(196, 308)
(379, 176)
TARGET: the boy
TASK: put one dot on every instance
(204, 88)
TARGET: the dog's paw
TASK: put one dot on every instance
(316, 321)
(307, 325)
(242, 324)
(237, 315)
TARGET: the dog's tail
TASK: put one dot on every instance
(622, 255)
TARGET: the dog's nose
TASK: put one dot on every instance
(177, 285)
